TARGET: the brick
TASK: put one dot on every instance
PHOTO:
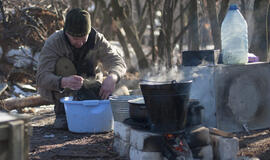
(135, 154)
(199, 137)
(122, 131)
(121, 147)
(203, 153)
(137, 138)
(225, 148)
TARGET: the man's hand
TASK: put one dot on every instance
(73, 82)
(108, 86)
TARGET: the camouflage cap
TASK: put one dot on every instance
(77, 23)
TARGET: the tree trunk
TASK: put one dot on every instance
(223, 11)
(143, 19)
(153, 50)
(165, 37)
(215, 28)
(75, 3)
(84, 4)
(132, 34)
(193, 31)
(124, 44)
(259, 43)
(106, 24)
(268, 33)
(181, 39)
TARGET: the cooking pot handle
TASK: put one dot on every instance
(174, 84)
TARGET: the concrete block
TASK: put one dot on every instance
(232, 95)
(203, 153)
(122, 131)
(135, 154)
(242, 96)
(121, 147)
(225, 148)
(199, 137)
(137, 138)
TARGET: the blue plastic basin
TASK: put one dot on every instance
(88, 116)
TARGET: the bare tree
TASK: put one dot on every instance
(122, 14)
(215, 27)
(165, 37)
(151, 13)
(84, 4)
(260, 43)
(193, 30)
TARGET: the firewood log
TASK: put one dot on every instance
(18, 103)
(3, 87)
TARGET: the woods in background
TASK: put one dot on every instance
(165, 27)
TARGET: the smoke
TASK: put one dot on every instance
(161, 74)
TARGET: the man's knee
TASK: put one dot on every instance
(64, 67)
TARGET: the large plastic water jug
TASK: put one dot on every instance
(234, 37)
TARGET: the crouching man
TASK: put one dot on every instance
(68, 64)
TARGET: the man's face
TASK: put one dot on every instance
(77, 42)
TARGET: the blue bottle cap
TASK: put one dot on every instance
(233, 7)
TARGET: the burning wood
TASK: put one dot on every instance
(175, 146)
(219, 132)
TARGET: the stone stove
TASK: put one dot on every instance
(200, 142)
(234, 98)
(137, 141)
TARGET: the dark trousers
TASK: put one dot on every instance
(90, 89)
(58, 106)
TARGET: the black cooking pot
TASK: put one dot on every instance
(137, 110)
(167, 104)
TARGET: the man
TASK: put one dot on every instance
(69, 64)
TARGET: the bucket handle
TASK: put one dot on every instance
(173, 82)
(90, 102)
(174, 85)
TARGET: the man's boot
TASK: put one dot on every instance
(60, 116)
(60, 122)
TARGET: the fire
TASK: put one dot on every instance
(180, 147)
(175, 142)
(169, 136)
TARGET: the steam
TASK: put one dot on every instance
(161, 74)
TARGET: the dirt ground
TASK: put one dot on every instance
(48, 143)
(255, 144)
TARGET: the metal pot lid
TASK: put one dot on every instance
(139, 100)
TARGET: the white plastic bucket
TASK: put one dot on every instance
(88, 116)
(120, 106)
